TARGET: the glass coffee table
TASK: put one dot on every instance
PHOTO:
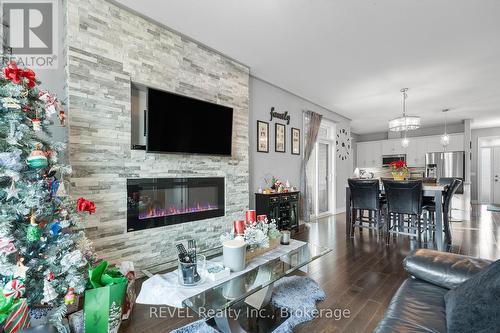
(254, 287)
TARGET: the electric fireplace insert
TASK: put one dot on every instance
(158, 202)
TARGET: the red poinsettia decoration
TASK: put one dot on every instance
(398, 165)
(84, 205)
(12, 73)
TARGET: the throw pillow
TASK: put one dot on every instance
(473, 305)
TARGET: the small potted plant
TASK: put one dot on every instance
(399, 170)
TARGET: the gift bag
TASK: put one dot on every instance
(127, 269)
(104, 300)
(18, 317)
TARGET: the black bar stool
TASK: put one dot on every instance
(404, 204)
(365, 196)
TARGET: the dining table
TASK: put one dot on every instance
(433, 190)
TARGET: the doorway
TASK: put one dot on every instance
(320, 173)
(489, 170)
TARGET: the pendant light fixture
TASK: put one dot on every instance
(445, 138)
(405, 142)
(406, 122)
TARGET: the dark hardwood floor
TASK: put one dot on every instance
(360, 274)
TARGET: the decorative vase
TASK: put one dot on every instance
(233, 253)
(399, 175)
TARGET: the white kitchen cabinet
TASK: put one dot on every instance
(374, 154)
(361, 155)
(415, 153)
(369, 154)
(434, 144)
(392, 147)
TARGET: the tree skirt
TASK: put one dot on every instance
(297, 294)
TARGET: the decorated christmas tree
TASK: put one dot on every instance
(43, 250)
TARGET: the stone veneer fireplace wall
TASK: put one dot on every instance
(109, 47)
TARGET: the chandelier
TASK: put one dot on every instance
(404, 123)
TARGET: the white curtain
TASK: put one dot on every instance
(312, 122)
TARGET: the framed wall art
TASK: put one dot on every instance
(295, 141)
(262, 136)
(279, 138)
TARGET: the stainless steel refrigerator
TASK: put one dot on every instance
(446, 165)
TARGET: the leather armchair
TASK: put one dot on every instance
(418, 305)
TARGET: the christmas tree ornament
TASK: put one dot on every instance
(55, 228)
(10, 103)
(51, 154)
(49, 293)
(12, 138)
(14, 288)
(37, 159)
(52, 104)
(42, 224)
(12, 191)
(20, 270)
(70, 297)
(54, 187)
(7, 246)
(37, 124)
(62, 118)
(50, 276)
(63, 189)
(33, 232)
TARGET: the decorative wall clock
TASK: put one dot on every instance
(343, 144)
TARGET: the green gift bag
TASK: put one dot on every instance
(104, 300)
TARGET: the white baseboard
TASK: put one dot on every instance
(339, 210)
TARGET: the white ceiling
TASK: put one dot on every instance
(353, 56)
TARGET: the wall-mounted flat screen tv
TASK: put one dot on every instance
(180, 124)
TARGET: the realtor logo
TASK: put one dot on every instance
(29, 32)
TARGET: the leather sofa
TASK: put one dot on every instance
(418, 305)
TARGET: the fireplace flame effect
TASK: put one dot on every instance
(153, 212)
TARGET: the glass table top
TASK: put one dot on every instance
(213, 300)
